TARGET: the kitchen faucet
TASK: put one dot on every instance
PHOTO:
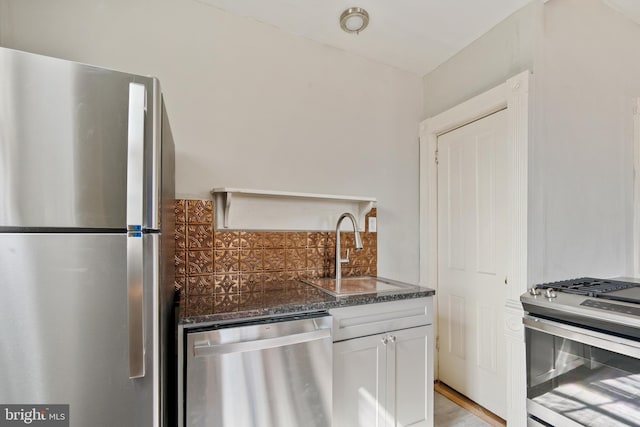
(358, 245)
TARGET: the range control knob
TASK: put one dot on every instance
(550, 293)
(534, 291)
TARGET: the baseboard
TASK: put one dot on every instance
(471, 406)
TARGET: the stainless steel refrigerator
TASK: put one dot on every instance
(86, 242)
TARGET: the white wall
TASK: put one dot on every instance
(585, 63)
(504, 51)
(252, 106)
(582, 187)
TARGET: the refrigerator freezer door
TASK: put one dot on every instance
(64, 131)
(64, 327)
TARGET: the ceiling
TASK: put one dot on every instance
(412, 35)
(631, 8)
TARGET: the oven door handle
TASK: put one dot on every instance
(597, 339)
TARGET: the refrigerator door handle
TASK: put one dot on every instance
(135, 156)
(135, 291)
(135, 206)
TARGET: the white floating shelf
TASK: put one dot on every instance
(245, 209)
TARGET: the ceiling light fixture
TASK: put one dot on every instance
(354, 20)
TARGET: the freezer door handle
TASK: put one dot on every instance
(135, 156)
(135, 290)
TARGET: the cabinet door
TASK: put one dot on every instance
(410, 377)
(360, 382)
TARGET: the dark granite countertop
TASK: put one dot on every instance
(280, 299)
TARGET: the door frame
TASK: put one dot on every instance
(512, 95)
(636, 187)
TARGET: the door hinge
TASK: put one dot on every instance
(436, 156)
(438, 343)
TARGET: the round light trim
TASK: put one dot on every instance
(354, 20)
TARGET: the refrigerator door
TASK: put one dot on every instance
(65, 327)
(67, 132)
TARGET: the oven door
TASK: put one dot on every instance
(580, 377)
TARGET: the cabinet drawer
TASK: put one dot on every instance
(371, 319)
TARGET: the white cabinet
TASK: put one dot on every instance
(360, 382)
(410, 377)
(385, 379)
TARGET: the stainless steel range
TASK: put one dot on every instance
(583, 352)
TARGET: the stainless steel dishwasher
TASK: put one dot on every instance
(268, 373)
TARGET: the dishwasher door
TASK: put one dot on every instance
(269, 374)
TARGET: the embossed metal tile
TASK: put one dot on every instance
(313, 273)
(295, 239)
(199, 212)
(200, 285)
(180, 261)
(200, 236)
(226, 239)
(331, 240)
(330, 256)
(198, 305)
(250, 301)
(225, 303)
(199, 262)
(251, 239)
(274, 259)
(274, 239)
(251, 260)
(369, 240)
(180, 284)
(180, 211)
(226, 284)
(226, 261)
(347, 240)
(295, 259)
(369, 270)
(315, 257)
(181, 237)
(251, 282)
(317, 239)
(347, 271)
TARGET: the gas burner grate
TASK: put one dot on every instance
(588, 286)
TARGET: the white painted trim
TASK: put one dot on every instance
(636, 188)
(514, 96)
(516, 360)
(518, 176)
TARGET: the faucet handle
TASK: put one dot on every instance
(345, 260)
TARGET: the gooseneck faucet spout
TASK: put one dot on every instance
(358, 245)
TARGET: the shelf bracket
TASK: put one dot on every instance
(227, 208)
(366, 208)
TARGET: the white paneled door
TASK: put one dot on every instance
(472, 260)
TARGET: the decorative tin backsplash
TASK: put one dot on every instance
(210, 262)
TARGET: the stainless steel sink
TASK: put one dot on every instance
(357, 285)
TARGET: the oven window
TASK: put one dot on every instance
(589, 385)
